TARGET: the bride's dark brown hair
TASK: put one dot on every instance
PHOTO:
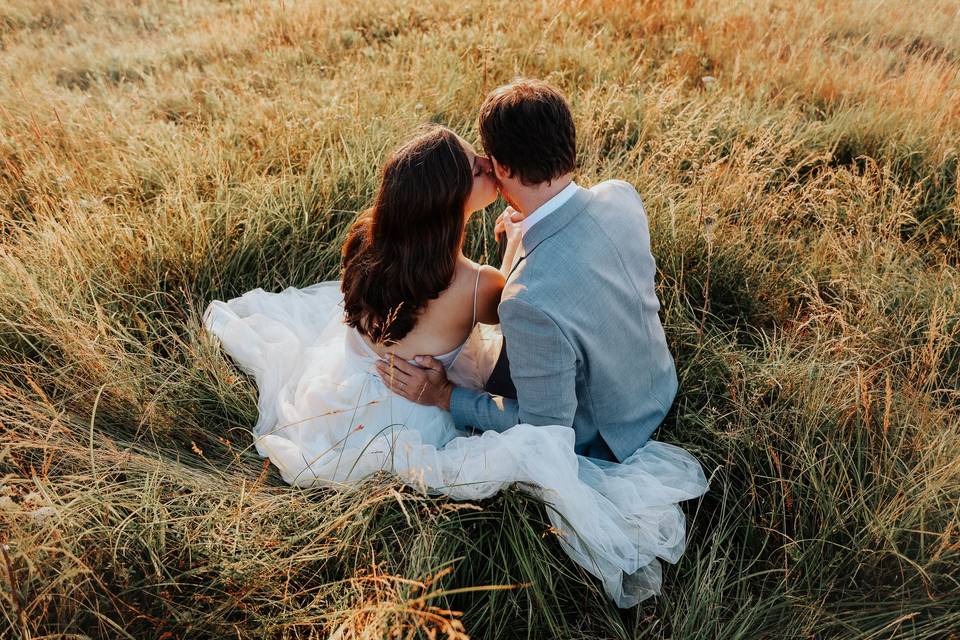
(401, 252)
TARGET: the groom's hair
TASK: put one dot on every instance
(527, 126)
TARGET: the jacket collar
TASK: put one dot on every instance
(557, 220)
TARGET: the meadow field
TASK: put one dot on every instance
(799, 164)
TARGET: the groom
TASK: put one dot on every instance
(583, 344)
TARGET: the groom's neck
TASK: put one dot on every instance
(529, 199)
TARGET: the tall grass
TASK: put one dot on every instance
(799, 164)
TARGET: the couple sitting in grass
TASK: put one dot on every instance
(551, 371)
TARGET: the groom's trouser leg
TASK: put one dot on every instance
(596, 448)
(499, 383)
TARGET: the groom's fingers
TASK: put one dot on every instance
(404, 366)
(392, 373)
(389, 371)
(429, 362)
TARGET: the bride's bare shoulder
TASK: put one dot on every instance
(489, 282)
(489, 288)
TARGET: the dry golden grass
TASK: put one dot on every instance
(799, 162)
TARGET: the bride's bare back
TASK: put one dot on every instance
(446, 322)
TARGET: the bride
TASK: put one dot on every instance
(327, 418)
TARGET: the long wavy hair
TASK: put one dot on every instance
(401, 252)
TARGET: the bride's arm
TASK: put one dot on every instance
(513, 233)
(488, 294)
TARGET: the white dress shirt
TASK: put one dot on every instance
(548, 207)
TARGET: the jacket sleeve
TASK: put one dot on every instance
(543, 367)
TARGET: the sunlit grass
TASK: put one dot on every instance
(799, 165)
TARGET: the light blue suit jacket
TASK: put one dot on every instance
(579, 317)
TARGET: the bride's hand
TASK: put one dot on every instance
(510, 216)
(507, 225)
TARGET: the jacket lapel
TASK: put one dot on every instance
(515, 265)
(555, 221)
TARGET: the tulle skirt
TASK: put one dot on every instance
(326, 418)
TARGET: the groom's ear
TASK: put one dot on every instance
(501, 171)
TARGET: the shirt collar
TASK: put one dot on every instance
(548, 207)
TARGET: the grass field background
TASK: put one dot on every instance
(799, 163)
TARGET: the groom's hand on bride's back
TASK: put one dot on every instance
(425, 384)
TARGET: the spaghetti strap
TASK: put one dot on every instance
(459, 350)
(476, 286)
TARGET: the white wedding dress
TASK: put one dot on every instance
(326, 418)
